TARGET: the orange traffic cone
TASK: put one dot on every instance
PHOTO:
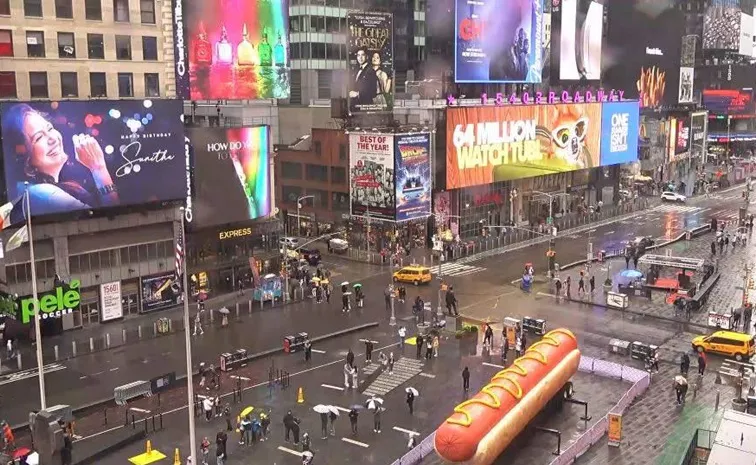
(300, 396)
(149, 447)
(176, 457)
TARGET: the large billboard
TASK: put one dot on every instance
(229, 49)
(728, 101)
(79, 155)
(698, 136)
(498, 41)
(499, 143)
(619, 132)
(577, 28)
(371, 176)
(412, 162)
(370, 44)
(645, 41)
(682, 145)
(685, 86)
(745, 42)
(721, 26)
(231, 174)
(160, 291)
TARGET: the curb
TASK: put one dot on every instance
(179, 379)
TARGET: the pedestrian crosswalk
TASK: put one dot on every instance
(459, 269)
(676, 208)
(404, 370)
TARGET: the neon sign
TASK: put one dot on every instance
(547, 98)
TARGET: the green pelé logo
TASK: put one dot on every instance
(54, 305)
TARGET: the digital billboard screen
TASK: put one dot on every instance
(728, 101)
(370, 40)
(619, 132)
(160, 291)
(498, 41)
(698, 135)
(500, 143)
(412, 161)
(231, 49)
(87, 155)
(721, 26)
(682, 144)
(577, 28)
(371, 176)
(231, 174)
(643, 51)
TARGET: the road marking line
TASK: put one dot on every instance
(331, 386)
(318, 351)
(356, 443)
(428, 375)
(408, 431)
(114, 369)
(240, 377)
(290, 451)
(608, 233)
(140, 410)
(545, 294)
(82, 377)
(493, 365)
(592, 230)
(98, 373)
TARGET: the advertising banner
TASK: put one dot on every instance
(498, 41)
(229, 49)
(698, 136)
(370, 43)
(619, 132)
(160, 291)
(62, 300)
(728, 101)
(111, 306)
(489, 144)
(685, 90)
(615, 429)
(87, 155)
(412, 162)
(371, 176)
(683, 136)
(577, 28)
(745, 44)
(721, 26)
(231, 174)
(442, 212)
(688, 51)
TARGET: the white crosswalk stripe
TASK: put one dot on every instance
(675, 208)
(459, 269)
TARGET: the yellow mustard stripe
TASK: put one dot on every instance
(491, 400)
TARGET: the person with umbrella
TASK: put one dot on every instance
(377, 418)
(411, 394)
(359, 295)
(307, 457)
(353, 416)
(323, 420)
(318, 291)
(224, 316)
(681, 388)
(326, 290)
(333, 414)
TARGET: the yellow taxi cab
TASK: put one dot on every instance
(731, 343)
(414, 274)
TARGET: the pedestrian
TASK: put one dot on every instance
(306, 442)
(353, 415)
(391, 363)
(347, 375)
(592, 283)
(568, 285)
(227, 416)
(402, 333)
(350, 357)
(411, 401)
(635, 260)
(205, 449)
(701, 363)
(681, 389)
(308, 349)
(66, 453)
(655, 361)
(451, 301)
(524, 341)
(387, 297)
(419, 345)
(327, 291)
(332, 417)
(368, 351)
(198, 324)
(377, 419)
(488, 335)
(466, 379)
(207, 405)
(9, 347)
(627, 259)
(402, 294)
(436, 343)
(736, 314)
(355, 374)
(217, 405)
(684, 364)
(504, 348)
(581, 285)
(558, 286)
(288, 421)
(344, 303)
(518, 346)
(713, 248)
(295, 430)
(244, 423)
(747, 314)
(428, 347)
(220, 447)
(412, 441)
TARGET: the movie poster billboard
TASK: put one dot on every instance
(412, 162)
(577, 28)
(619, 132)
(498, 41)
(231, 50)
(698, 135)
(88, 155)
(111, 305)
(500, 143)
(370, 47)
(160, 291)
(231, 174)
(685, 90)
(371, 176)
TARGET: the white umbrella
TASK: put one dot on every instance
(414, 391)
(224, 311)
(320, 408)
(307, 454)
(32, 459)
(347, 293)
(333, 410)
(374, 402)
(681, 380)
(345, 283)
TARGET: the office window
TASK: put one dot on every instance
(317, 147)
(147, 11)
(66, 45)
(342, 152)
(98, 85)
(316, 173)
(340, 201)
(96, 46)
(291, 193)
(123, 47)
(318, 50)
(5, 7)
(295, 97)
(8, 84)
(93, 10)
(125, 85)
(338, 175)
(38, 84)
(325, 78)
(69, 85)
(33, 8)
(35, 44)
(291, 170)
(6, 43)
(149, 48)
(121, 11)
(63, 9)
(151, 85)
(320, 198)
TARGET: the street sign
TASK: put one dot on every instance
(549, 220)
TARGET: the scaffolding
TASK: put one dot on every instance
(684, 263)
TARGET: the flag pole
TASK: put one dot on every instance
(188, 342)
(37, 314)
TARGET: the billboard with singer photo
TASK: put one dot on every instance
(577, 28)
(498, 41)
(371, 176)
(500, 143)
(619, 132)
(87, 155)
(231, 49)
(370, 47)
(412, 162)
(160, 291)
(685, 90)
(231, 174)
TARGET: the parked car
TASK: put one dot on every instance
(289, 242)
(312, 256)
(642, 242)
(669, 196)
(337, 245)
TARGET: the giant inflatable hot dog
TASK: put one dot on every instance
(481, 428)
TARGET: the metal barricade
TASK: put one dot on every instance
(123, 394)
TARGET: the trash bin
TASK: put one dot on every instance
(163, 326)
(534, 325)
(294, 343)
(618, 346)
(640, 350)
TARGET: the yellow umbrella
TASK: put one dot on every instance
(324, 281)
(246, 411)
(316, 279)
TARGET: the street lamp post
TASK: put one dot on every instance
(551, 201)
(299, 207)
(188, 344)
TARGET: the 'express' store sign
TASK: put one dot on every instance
(234, 233)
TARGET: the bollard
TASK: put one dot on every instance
(57, 353)
(105, 416)
(18, 360)
(261, 301)
(91, 344)
(716, 403)
(423, 260)
(154, 328)
(73, 348)
(250, 306)
(123, 335)
(170, 325)
(212, 315)
(237, 310)
(107, 340)
(139, 331)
